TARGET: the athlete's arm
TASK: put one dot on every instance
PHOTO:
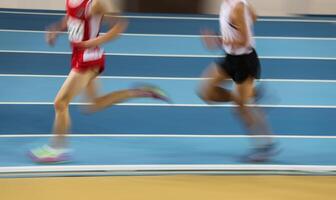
(241, 26)
(54, 30)
(211, 40)
(253, 12)
(117, 26)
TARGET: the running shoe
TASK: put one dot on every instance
(262, 154)
(49, 155)
(154, 92)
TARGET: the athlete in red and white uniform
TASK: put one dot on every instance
(83, 27)
(83, 21)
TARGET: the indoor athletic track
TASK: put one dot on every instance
(299, 64)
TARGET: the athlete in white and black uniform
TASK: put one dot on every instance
(241, 65)
(241, 60)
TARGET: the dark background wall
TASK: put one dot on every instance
(163, 6)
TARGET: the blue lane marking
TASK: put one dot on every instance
(38, 119)
(295, 29)
(21, 63)
(171, 45)
(262, 28)
(28, 89)
(193, 27)
(177, 151)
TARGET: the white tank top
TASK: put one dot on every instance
(229, 32)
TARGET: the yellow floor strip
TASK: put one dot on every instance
(171, 188)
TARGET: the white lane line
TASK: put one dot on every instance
(185, 35)
(165, 78)
(32, 13)
(287, 136)
(294, 38)
(180, 18)
(170, 55)
(182, 105)
(95, 168)
(154, 173)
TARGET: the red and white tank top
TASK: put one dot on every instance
(81, 26)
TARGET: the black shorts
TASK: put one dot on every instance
(241, 67)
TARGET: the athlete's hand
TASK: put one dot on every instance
(210, 39)
(87, 44)
(55, 29)
(51, 37)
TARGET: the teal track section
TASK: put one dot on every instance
(13, 41)
(298, 56)
(38, 119)
(171, 151)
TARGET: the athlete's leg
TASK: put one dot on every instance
(246, 92)
(91, 90)
(57, 151)
(72, 86)
(211, 90)
(113, 98)
(255, 122)
(101, 102)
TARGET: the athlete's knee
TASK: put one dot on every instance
(95, 105)
(96, 101)
(61, 105)
(245, 98)
(204, 94)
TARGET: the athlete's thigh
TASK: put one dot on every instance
(74, 84)
(245, 90)
(213, 77)
(91, 91)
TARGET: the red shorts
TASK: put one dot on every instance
(83, 60)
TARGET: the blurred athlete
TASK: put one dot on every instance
(241, 65)
(83, 21)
